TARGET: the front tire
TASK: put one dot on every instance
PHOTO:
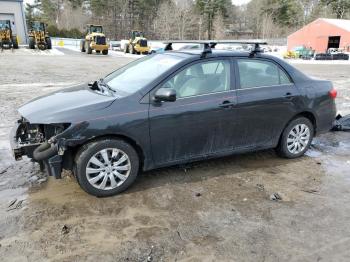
(296, 138)
(89, 49)
(106, 167)
(105, 52)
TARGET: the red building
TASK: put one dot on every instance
(322, 34)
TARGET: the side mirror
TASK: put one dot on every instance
(165, 94)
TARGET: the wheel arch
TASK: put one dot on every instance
(129, 140)
(307, 114)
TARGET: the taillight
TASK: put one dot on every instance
(333, 93)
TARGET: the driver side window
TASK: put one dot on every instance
(201, 78)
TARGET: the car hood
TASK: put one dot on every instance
(65, 106)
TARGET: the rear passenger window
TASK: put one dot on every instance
(284, 78)
(258, 73)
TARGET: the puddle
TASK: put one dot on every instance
(338, 167)
(334, 143)
(313, 153)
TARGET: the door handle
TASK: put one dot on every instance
(289, 95)
(227, 104)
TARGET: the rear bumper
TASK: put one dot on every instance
(325, 118)
(142, 49)
(99, 47)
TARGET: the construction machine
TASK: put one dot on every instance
(137, 44)
(95, 39)
(7, 37)
(39, 37)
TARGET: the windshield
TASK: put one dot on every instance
(137, 34)
(4, 24)
(37, 26)
(136, 75)
(96, 29)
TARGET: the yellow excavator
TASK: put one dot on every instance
(137, 44)
(39, 37)
(7, 37)
(95, 39)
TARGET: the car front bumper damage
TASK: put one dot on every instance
(32, 141)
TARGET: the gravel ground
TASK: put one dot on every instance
(217, 210)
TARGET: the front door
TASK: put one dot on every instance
(194, 125)
(266, 102)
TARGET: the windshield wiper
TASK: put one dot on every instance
(101, 86)
(94, 86)
(104, 84)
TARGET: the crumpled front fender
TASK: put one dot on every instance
(72, 136)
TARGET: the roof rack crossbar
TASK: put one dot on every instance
(209, 44)
(256, 49)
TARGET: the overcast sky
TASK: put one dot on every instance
(235, 2)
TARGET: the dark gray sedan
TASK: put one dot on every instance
(173, 108)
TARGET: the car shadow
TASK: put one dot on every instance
(198, 171)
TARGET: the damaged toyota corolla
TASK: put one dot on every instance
(172, 108)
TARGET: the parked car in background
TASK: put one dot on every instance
(173, 108)
(115, 45)
(333, 55)
(156, 47)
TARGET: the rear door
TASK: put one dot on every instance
(196, 124)
(266, 98)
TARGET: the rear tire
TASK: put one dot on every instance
(132, 50)
(105, 52)
(296, 138)
(31, 43)
(14, 42)
(48, 43)
(126, 48)
(82, 46)
(98, 172)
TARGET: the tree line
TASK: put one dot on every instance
(184, 19)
